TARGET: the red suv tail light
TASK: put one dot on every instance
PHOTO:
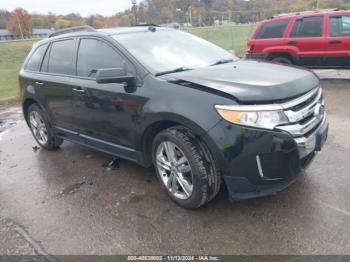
(250, 48)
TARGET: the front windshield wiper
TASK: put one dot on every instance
(222, 61)
(176, 70)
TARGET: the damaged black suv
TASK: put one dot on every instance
(162, 97)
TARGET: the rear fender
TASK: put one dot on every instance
(291, 50)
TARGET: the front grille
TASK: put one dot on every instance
(304, 104)
(304, 113)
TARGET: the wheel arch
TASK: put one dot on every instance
(281, 54)
(163, 122)
(26, 104)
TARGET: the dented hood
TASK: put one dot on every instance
(252, 81)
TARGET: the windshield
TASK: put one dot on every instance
(167, 50)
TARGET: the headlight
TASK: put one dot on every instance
(254, 117)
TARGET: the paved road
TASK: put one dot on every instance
(65, 202)
(333, 73)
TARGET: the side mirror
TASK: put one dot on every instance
(114, 75)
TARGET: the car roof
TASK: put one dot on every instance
(106, 32)
(307, 13)
(134, 29)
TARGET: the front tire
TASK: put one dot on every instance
(185, 167)
(41, 128)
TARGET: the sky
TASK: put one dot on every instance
(84, 7)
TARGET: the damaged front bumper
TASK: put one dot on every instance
(260, 162)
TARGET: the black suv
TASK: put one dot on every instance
(163, 97)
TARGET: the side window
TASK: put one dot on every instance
(340, 25)
(36, 58)
(93, 55)
(61, 58)
(308, 27)
(272, 29)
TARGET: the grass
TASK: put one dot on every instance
(228, 37)
(12, 55)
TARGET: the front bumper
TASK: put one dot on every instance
(257, 163)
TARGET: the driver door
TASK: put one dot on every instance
(102, 112)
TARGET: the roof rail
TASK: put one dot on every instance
(72, 29)
(147, 24)
(306, 12)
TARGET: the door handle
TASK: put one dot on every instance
(334, 42)
(39, 83)
(79, 91)
(292, 43)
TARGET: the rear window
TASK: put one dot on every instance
(61, 57)
(272, 29)
(35, 60)
(308, 27)
(340, 25)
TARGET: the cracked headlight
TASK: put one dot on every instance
(257, 116)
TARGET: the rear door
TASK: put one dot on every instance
(270, 34)
(308, 36)
(57, 69)
(338, 41)
(30, 77)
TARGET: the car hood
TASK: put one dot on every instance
(251, 81)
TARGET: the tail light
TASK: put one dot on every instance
(250, 48)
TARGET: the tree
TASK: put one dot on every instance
(20, 23)
(4, 18)
(62, 23)
(74, 19)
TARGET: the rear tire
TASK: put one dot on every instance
(42, 129)
(282, 60)
(197, 180)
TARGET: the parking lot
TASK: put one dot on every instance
(67, 202)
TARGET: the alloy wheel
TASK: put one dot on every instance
(175, 170)
(38, 127)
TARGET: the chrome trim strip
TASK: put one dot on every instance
(271, 107)
(66, 130)
(300, 130)
(261, 173)
(301, 99)
(248, 108)
(307, 145)
(295, 116)
(107, 143)
(95, 139)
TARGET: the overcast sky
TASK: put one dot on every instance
(84, 7)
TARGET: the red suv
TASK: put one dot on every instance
(313, 38)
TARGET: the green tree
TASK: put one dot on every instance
(62, 23)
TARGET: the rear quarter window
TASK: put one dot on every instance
(274, 29)
(340, 25)
(34, 61)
